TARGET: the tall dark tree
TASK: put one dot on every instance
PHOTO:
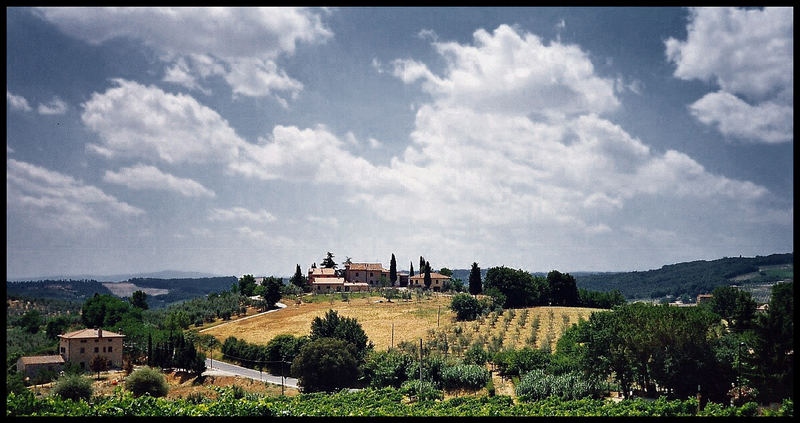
(328, 262)
(516, 288)
(421, 264)
(411, 272)
(393, 270)
(475, 279)
(300, 280)
(150, 349)
(563, 290)
(247, 283)
(139, 299)
(427, 278)
(775, 347)
(272, 291)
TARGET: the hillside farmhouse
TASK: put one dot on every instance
(82, 345)
(325, 280)
(437, 281)
(359, 277)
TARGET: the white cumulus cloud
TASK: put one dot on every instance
(56, 106)
(149, 177)
(241, 43)
(17, 102)
(58, 201)
(749, 55)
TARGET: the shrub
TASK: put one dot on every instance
(465, 376)
(519, 362)
(537, 385)
(387, 368)
(465, 306)
(422, 391)
(147, 381)
(74, 387)
(476, 355)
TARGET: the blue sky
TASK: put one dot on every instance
(235, 141)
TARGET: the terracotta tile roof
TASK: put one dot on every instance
(366, 266)
(434, 275)
(42, 359)
(90, 333)
(319, 281)
(322, 271)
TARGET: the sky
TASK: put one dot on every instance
(234, 141)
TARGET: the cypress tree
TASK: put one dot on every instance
(393, 271)
(411, 273)
(150, 350)
(427, 278)
(475, 279)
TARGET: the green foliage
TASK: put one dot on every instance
(393, 270)
(103, 310)
(521, 361)
(427, 277)
(366, 402)
(147, 381)
(421, 391)
(735, 306)
(272, 291)
(465, 376)
(300, 280)
(247, 283)
(344, 328)
(775, 346)
(30, 321)
(476, 355)
(139, 299)
(537, 385)
(326, 364)
(387, 368)
(517, 288)
(475, 284)
(14, 383)
(328, 262)
(466, 307)
(692, 278)
(563, 291)
(597, 299)
(73, 387)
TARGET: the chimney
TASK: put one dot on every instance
(99, 332)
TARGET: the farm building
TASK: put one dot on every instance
(437, 281)
(369, 273)
(31, 366)
(82, 345)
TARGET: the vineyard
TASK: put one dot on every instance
(369, 402)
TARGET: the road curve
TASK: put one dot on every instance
(220, 366)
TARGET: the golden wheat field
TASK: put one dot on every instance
(427, 318)
(411, 320)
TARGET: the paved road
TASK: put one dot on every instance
(233, 370)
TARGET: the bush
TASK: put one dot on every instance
(538, 385)
(476, 355)
(387, 368)
(465, 306)
(465, 376)
(326, 364)
(147, 381)
(421, 391)
(519, 362)
(73, 387)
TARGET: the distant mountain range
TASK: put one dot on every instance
(164, 274)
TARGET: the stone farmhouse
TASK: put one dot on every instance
(359, 277)
(437, 281)
(82, 345)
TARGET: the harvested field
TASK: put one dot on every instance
(411, 320)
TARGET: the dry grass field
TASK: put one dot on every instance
(411, 320)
